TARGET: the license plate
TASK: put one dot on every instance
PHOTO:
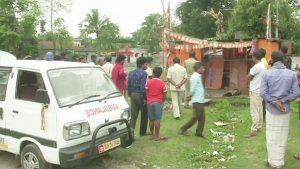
(109, 145)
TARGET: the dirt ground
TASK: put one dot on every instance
(8, 161)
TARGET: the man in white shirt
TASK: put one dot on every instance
(189, 66)
(177, 77)
(107, 66)
(149, 70)
(256, 107)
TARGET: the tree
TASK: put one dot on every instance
(106, 32)
(249, 16)
(86, 41)
(9, 34)
(195, 23)
(61, 34)
(109, 37)
(28, 39)
(18, 21)
(55, 6)
(94, 23)
(149, 35)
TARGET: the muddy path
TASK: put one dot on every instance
(8, 161)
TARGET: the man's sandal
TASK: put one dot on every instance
(161, 139)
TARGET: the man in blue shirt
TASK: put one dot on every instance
(279, 87)
(137, 91)
(197, 94)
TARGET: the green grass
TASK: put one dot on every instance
(181, 152)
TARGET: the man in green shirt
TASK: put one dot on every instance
(189, 66)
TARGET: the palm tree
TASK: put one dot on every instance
(94, 23)
(148, 36)
(106, 32)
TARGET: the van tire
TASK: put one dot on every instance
(31, 150)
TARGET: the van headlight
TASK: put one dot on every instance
(76, 130)
(125, 114)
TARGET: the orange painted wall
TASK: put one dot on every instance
(199, 54)
(237, 68)
(214, 73)
(184, 55)
(238, 75)
(269, 45)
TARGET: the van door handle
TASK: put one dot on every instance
(1, 113)
(15, 111)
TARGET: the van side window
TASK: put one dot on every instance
(4, 75)
(27, 85)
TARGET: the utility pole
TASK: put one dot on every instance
(163, 6)
(277, 18)
(163, 35)
(52, 27)
(51, 15)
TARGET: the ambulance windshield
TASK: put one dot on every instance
(75, 84)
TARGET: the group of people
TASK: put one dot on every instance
(276, 86)
(147, 92)
(186, 83)
(273, 86)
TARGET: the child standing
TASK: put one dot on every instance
(156, 94)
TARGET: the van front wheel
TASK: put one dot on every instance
(32, 158)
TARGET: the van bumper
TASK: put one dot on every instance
(78, 154)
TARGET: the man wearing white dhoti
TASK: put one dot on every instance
(279, 87)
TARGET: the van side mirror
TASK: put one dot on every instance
(41, 96)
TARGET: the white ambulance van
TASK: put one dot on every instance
(61, 113)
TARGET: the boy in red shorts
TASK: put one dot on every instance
(156, 94)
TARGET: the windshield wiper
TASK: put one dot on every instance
(86, 98)
(104, 98)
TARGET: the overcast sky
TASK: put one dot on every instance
(128, 14)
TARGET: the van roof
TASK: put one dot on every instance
(6, 57)
(44, 65)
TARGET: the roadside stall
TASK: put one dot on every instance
(227, 62)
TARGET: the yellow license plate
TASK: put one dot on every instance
(109, 145)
